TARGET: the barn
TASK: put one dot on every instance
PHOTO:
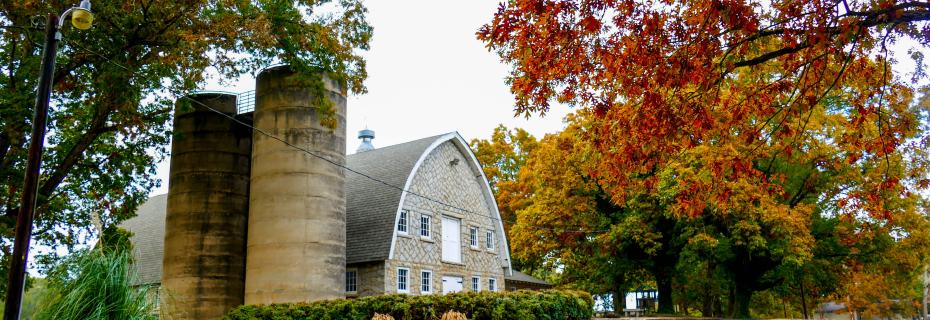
(264, 206)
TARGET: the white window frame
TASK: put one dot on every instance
(406, 281)
(426, 220)
(426, 281)
(355, 281)
(489, 239)
(492, 284)
(473, 236)
(403, 222)
(476, 284)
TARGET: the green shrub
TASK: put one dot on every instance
(518, 305)
(95, 285)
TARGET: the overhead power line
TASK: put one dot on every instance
(367, 176)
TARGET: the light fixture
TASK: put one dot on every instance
(81, 16)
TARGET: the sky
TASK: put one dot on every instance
(427, 75)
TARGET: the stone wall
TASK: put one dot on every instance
(446, 175)
(370, 278)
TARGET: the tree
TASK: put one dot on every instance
(673, 76)
(566, 221)
(748, 120)
(115, 86)
(502, 157)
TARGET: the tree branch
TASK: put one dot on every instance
(76, 152)
(891, 15)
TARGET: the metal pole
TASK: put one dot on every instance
(17, 277)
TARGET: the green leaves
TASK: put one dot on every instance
(116, 84)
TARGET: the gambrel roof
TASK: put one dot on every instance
(372, 205)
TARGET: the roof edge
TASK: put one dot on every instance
(463, 147)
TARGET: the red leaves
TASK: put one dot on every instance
(590, 24)
(793, 81)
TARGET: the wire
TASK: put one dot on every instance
(311, 153)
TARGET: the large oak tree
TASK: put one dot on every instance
(730, 103)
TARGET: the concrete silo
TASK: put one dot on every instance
(207, 210)
(296, 238)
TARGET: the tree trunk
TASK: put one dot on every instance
(707, 303)
(664, 284)
(741, 299)
(784, 307)
(718, 307)
(923, 311)
(619, 301)
(803, 300)
(731, 302)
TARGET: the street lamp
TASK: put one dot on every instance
(81, 18)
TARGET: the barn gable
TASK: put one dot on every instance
(441, 192)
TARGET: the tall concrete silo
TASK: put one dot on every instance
(207, 211)
(296, 239)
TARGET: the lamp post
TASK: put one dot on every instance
(81, 18)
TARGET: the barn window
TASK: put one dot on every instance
(351, 281)
(425, 225)
(475, 284)
(403, 277)
(492, 284)
(490, 240)
(426, 281)
(402, 222)
(473, 236)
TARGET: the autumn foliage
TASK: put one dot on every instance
(771, 131)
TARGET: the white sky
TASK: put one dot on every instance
(427, 74)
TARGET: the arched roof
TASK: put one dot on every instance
(372, 207)
(475, 166)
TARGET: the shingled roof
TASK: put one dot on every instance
(148, 240)
(371, 208)
(522, 277)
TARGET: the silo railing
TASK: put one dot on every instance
(245, 101)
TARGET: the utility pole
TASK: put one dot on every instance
(27, 204)
(81, 18)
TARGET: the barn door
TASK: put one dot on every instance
(451, 240)
(451, 284)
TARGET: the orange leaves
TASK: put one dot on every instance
(668, 79)
(757, 120)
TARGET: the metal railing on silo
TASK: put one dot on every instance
(245, 101)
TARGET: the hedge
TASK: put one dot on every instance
(517, 305)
